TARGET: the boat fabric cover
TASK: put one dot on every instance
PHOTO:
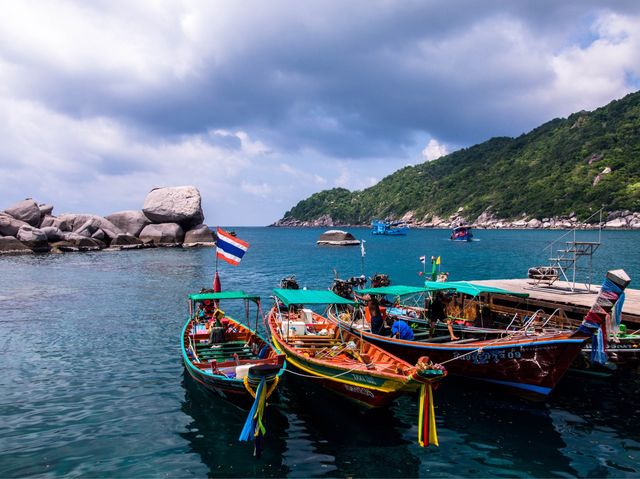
(310, 296)
(224, 295)
(394, 290)
(469, 288)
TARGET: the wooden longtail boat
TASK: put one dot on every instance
(231, 359)
(344, 362)
(528, 363)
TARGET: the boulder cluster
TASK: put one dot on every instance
(488, 220)
(170, 216)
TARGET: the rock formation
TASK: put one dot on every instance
(170, 216)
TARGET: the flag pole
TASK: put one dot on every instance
(362, 253)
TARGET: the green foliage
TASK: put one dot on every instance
(548, 171)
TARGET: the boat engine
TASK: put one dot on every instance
(289, 282)
(379, 280)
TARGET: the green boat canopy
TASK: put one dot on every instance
(224, 295)
(471, 289)
(310, 296)
(394, 290)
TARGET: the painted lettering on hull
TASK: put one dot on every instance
(358, 390)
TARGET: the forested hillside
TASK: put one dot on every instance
(572, 165)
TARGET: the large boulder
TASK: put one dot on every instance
(49, 220)
(53, 234)
(10, 245)
(9, 226)
(164, 233)
(35, 238)
(199, 234)
(176, 204)
(130, 221)
(82, 242)
(26, 210)
(79, 222)
(45, 210)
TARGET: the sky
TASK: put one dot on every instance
(261, 104)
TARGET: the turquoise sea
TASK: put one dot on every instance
(92, 384)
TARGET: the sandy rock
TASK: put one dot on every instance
(10, 245)
(131, 221)
(26, 210)
(163, 233)
(9, 226)
(178, 204)
(199, 234)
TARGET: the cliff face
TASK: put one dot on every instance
(562, 171)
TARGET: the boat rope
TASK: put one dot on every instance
(359, 366)
(253, 393)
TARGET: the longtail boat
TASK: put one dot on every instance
(344, 362)
(527, 362)
(228, 358)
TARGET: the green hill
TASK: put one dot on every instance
(549, 171)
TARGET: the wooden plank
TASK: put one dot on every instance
(560, 294)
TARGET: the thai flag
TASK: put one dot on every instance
(230, 248)
(423, 259)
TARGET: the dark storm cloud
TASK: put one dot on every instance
(350, 80)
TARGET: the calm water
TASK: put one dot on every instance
(91, 380)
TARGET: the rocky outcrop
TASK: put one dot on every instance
(9, 226)
(162, 234)
(130, 229)
(199, 235)
(178, 204)
(26, 210)
(131, 221)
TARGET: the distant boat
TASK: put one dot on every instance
(337, 238)
(461, 233)
(396, 228)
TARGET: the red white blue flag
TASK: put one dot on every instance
(230, 248)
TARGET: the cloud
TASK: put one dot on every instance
(434, 150)
(106, 100)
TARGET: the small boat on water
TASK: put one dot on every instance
(337, 238)
(529, 362)
(228, 358)
(389, 228)
(461, 233)
(344, 362)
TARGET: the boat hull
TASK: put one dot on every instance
(366, 390)
(529, 368)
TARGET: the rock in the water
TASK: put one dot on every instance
(337, 238)
(82, 242)
(163, 233)
(199, 234)
(10, 245)
(9, 226)
(534, 223)
(131, 221)
(53, 234)
(34, 238)
(178, 204)
(88, 228)
(26, 210)
(77, 222)
(616, 223)
(125, 239)
(99, 235)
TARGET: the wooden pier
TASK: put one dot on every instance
(574, 303)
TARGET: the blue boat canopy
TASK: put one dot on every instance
(310, 296)
(471, 289)
(224, 295)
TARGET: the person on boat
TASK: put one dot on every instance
(375, 314)
(200, 313)
(436, 312)
(400, 329)
(216, 329)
